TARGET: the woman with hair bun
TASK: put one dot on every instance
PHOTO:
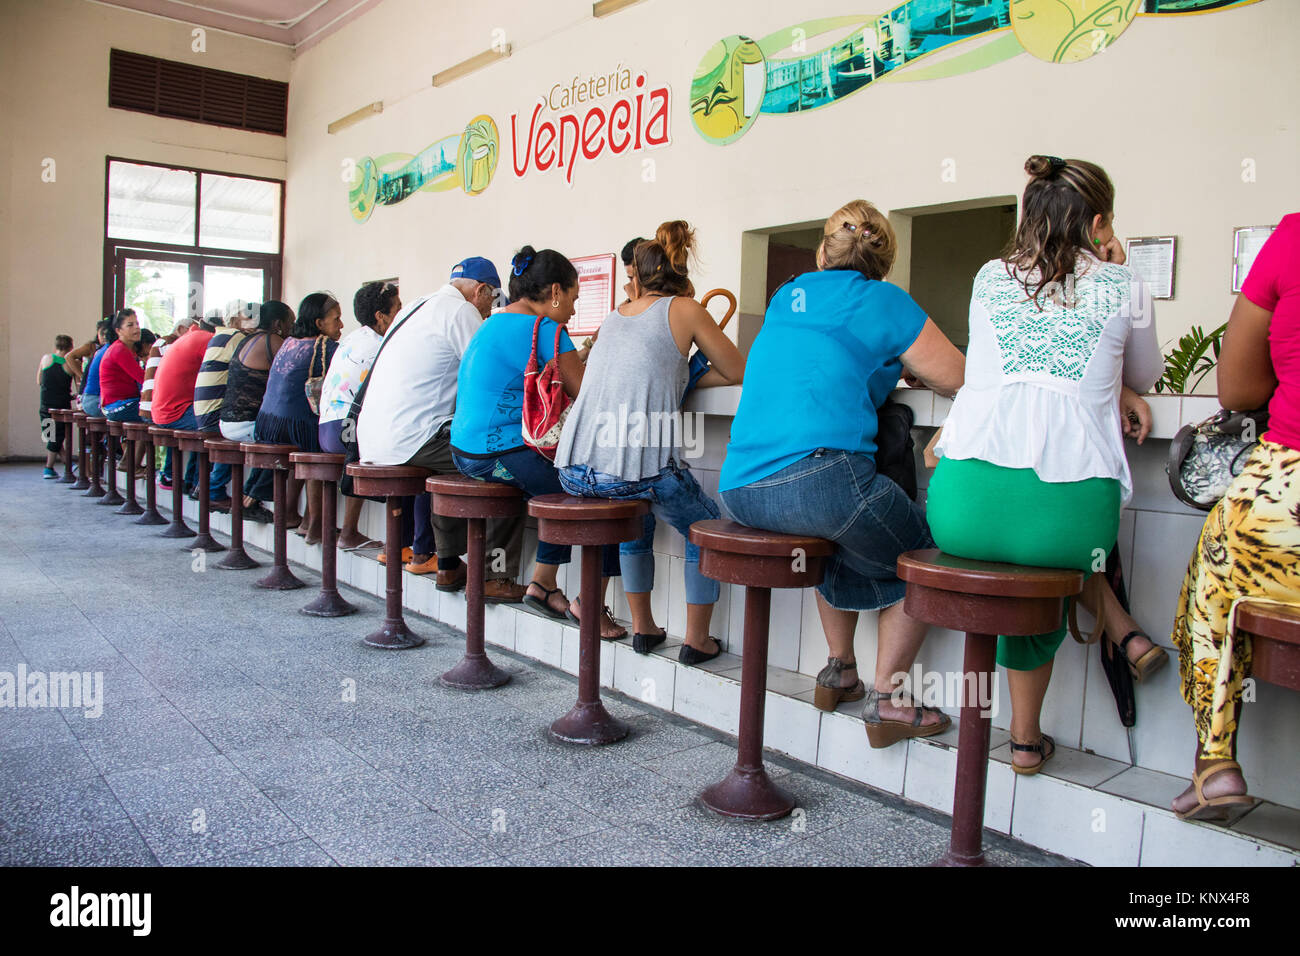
(636, 375)
(1062, 338)
(802, 453)
(486, 434)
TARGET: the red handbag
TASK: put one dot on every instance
(546, 404)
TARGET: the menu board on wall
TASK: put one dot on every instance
(597, 276)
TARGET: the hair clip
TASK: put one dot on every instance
(1056, 162)
(521, 265)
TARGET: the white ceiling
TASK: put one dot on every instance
(294, 23)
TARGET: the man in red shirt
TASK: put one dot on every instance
(173, 407)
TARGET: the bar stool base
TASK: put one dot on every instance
(589, 724)
(393, 636)
(329, 604)
(280, 579)
(236, 560)
(82, 484)
(204, 542)
(179, 529)
(111, 498)
(67, 479)
(748, 794)
(151, 518)
(953, 859)
(130, 508)
(475, 673)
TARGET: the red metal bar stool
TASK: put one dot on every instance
(138, 433)
(97, 427)
(983, 599)
(224, 452)
(1274, 631)
(114, 432)
(759, 560)
(131, 507)
(475, 501)
(591, 523)
(196, 444)
(276, 459)
(63, 416)
(392, 483)
(328, 470)
(166, 438)
(83, 471)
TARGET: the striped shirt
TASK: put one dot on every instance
(150, 370)
(210, 386)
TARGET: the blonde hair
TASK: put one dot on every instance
(858, 236)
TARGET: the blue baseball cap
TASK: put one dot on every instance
(478, 269)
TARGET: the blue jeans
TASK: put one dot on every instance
(218, 477)
(124, 411)
(838, 495)
(534, 475)
(676, 497)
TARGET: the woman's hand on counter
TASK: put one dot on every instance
(1135, 414)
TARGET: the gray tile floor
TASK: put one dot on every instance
(236, 731)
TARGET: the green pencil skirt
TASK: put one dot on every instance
(986, 512)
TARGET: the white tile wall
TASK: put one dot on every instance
(645, 677)
(1083, 824)
(708, 699)
(791, 727)
(1168, 841)
(569, 654)
(932, 776)
(843, 749)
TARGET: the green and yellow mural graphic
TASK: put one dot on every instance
(467, 160)
(739, 78)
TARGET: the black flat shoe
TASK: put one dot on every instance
(258, 513)
(690, 656)
(645, 643)
(543, 604)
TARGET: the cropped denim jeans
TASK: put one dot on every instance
(675, 497)
(840, 496)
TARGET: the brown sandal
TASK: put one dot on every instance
(1148, 663)
(830, 692)
(1039, 748)
(884, 733)
(1225, 809)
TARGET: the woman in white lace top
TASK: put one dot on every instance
(1033, 469)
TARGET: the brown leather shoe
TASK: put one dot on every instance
(453, 580)
(424, 567)
(503, 591)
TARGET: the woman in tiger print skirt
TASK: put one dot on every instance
(1250, 544)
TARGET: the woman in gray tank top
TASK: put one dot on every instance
(622, 437)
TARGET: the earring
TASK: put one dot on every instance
(1096, 241)
(555, 303)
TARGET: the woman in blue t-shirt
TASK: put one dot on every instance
(486, 434)
(802, 454)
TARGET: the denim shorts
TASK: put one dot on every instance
(838, 495)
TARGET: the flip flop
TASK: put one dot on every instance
(1226, 809)
(543, 604)
(367, 545)
(622, 631)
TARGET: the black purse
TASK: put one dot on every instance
(895, 450)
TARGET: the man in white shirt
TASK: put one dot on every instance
(406, 420)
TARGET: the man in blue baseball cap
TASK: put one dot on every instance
(406, 420)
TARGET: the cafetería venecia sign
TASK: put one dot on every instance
(588, 118)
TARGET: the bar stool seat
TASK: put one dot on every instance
(138, 434)
(474, 501)
(328, 470)
(97, 427)
(1274, 630)
(760, 560)
(83, 476)
(392, 483)
(63, 416)
(275, 458)
(195, 442)
(222, 451)
(590, 522)
(984, 599)
(119, 431)
(166, 438)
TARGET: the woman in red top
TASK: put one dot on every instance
(120, 371)
(1250, 545)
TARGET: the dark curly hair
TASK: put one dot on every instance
(532, 273)
(630, 249)
(371, 298)
(272, 311)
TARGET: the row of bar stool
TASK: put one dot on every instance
(980, 598)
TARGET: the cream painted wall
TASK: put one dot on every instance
(54, 80)
(1171, 109)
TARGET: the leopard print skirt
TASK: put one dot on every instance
(1249, 548)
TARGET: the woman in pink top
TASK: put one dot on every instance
(1250, 545)
(120, 371)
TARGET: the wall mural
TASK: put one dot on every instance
(467, 160)
(739, 78)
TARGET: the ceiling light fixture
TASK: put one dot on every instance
(466, 67)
